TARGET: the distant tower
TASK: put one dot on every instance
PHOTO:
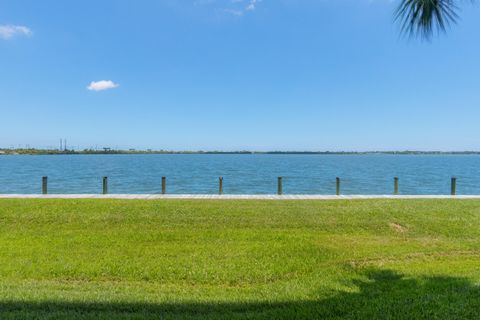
(65, 144)
(60, 145)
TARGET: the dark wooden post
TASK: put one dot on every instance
(44, 185)
(280, 187)
(164, 185)
(338, 186)
(220, 185)
(395, 186)
(105, 185)
(454, 186)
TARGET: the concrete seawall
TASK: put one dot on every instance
(229, 197)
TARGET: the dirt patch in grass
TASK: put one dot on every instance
(398, 227)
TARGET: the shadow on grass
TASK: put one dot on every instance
(383, 295)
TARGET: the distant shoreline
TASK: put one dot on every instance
(7, 152)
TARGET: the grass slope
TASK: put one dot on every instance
(115, 259)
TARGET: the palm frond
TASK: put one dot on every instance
(423, 18)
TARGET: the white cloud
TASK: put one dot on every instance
(102, 85)
(251, 5)
(234, 12)
(234, 7)
(9, 31)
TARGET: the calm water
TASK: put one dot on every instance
(243, 174)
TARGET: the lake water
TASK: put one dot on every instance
(243, 174)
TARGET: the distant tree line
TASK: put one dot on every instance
(34, 151)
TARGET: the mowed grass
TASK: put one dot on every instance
(175, 259)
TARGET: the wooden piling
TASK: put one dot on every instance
(44, 185)
(105, 185)
(453, 186)
(164, 185)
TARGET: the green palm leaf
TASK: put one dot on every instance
(423, 18)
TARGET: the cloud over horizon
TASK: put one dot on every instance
(9, 31)
(102, 85)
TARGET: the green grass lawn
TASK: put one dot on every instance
(174, 259)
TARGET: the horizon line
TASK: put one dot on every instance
(7, 151)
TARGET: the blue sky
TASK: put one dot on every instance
(234, 75)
